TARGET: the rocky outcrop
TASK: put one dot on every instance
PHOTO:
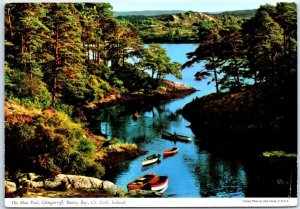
(143, 193)
(73, 181)
(168, 90)
(10, 187)
(66, 185)
(64, 182)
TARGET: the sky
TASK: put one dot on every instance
(194, 5)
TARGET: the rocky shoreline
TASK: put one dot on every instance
(65, 185)
(168, 90)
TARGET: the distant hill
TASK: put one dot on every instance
(147, 13)
(174, 27)
(239, 13)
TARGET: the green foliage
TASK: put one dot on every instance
(279, 154)
(241, 52)
(270, 43)
(209, 48)
(49, 143)
(31, 91)
(86, 146)
(99, 88)
(156, 60)
(174, 27)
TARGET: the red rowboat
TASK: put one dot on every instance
(171, 151)
(142, 182)
(160, 184)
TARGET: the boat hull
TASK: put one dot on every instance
(149, 162)
(151, 159)
(172, 151)
(170, 136)
(142, 182)
(160, 184)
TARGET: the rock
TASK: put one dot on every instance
(32, 176)
(112, 189)
(108, 184)
(162, 89)
(58, 181)
(10, 187)
(143, 193)
(84, 182)
(74, 181)
(63, 182)
(36, 184)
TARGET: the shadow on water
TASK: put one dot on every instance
(266, 177)
(208, 166)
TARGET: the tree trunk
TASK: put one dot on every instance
(10, 23)
(215, 74)
(94, 55)
(98, 54)
(22, 53)
(54, 92)
(237, 70)
(88, 56)
(30, 60)
(54, 84)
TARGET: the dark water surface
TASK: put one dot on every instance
(193, 172)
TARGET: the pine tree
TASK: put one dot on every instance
(264, 41)
(208, 49)
(156, 60)
(67, 73)
(231, 53)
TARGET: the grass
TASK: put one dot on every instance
(278, 154)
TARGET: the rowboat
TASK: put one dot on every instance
(175, 136)
(160, 184)
(151, 159)
(171, 151)
(142, 182)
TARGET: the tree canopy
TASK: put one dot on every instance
(74, 53)
(241, 52)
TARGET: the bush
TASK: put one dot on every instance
(50, 143)
(99, 88)
(33, 92)
(86, 146)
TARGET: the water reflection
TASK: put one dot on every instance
(220, 177)
(193, 172)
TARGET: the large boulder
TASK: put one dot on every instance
(63, 182)
(112, 189)
(10, 187)
(74, 181)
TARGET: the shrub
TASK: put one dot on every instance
(51, 143)
(86, 146)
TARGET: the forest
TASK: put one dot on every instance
(59, 59)
(63, 57)
(241, 52)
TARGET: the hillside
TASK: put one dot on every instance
(263, 116)
(179, 27)
(239, 13)
(146, 12)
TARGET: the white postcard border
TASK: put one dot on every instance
(149, 202)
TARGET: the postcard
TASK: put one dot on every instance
(150, 104)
